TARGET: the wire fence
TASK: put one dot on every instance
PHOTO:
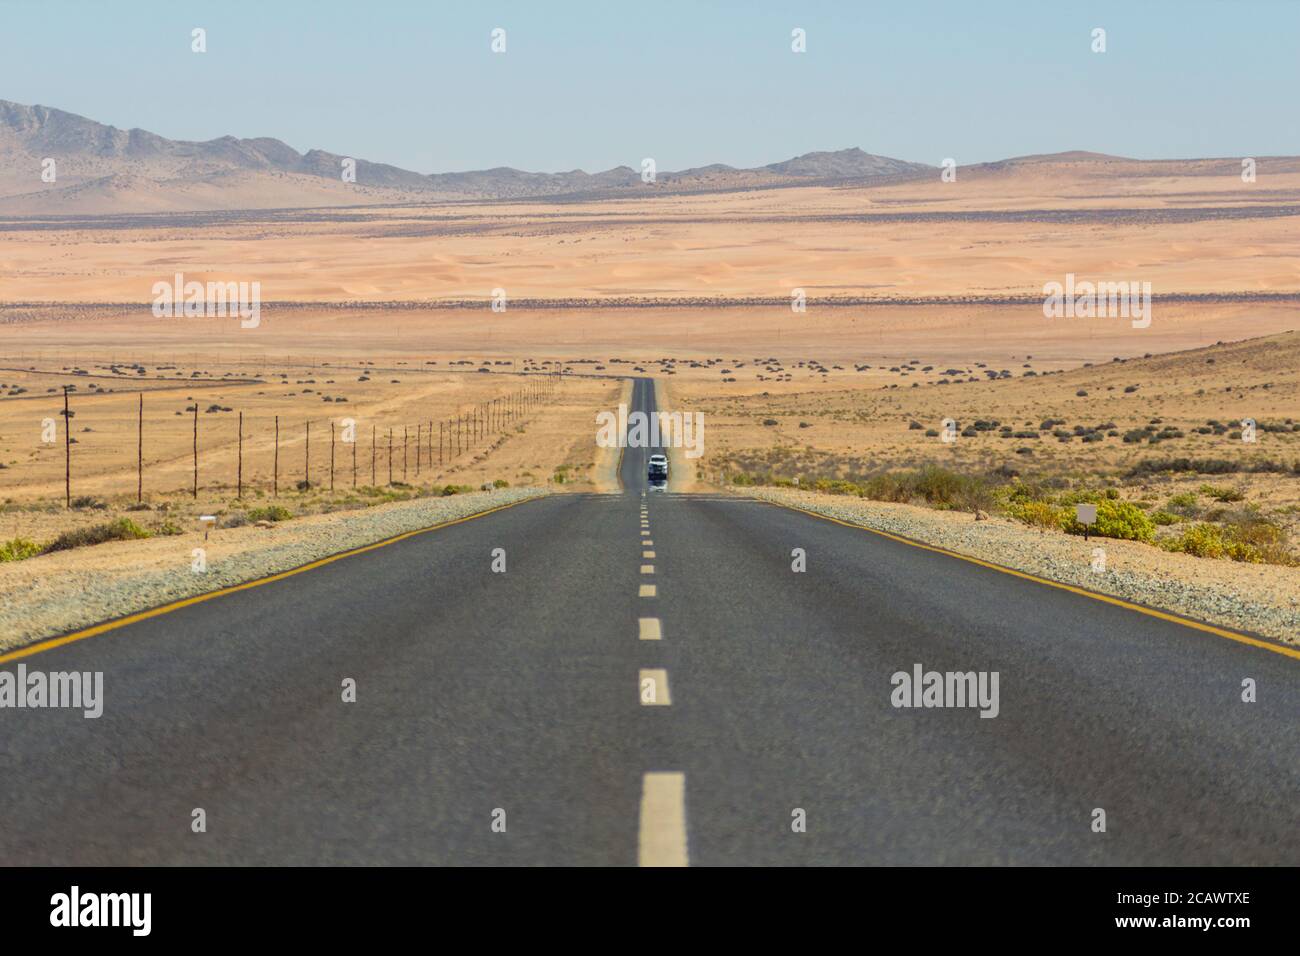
(397, 451)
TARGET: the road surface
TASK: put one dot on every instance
(502, 718)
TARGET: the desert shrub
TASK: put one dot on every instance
(1247, 538)
(1163, 518)
(1201, 466)
(18, 549)
(1039, 514)
(1222, 493)
(500, 483)
(1200, 540)
(168, 527)
(1117, 519)
(123, 529)
(270, 513)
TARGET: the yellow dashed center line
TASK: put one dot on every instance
(649, 629)
(647, 590)
(647, 569)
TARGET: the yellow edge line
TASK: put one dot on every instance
(97, 629)
(1119, 602)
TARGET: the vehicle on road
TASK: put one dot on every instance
(658, 468)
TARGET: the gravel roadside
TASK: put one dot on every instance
(56, 593)
(1257, 598)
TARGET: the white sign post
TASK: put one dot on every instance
(1087, 516)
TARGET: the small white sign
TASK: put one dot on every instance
(1087, 514)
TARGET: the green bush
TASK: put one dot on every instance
(1250, 539)
(1200, 540)
(1039, 514)
(123, 529)
(1222, 493)
(270, 513)
(1117, 519)
(18, 549)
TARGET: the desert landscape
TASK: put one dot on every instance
(827, 314)
(720, 435)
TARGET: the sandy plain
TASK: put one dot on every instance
(904, 282)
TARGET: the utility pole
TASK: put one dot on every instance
(67, 451)
(139, 453)
(196, 448)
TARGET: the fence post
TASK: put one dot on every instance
(306, 459)
(139, 453)
(419, 448)
(239, 474)
(67, 451)
(331, 454)
(275, 474)
(390, 454)
(373, 479)
(406, 444)
(196, 448)
(354, 458)
(439, 444)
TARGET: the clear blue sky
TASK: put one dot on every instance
(600, 84)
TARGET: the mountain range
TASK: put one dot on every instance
(102, 169)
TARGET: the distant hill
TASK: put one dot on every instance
(102, 169)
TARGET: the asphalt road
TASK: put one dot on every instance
(480, 692)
